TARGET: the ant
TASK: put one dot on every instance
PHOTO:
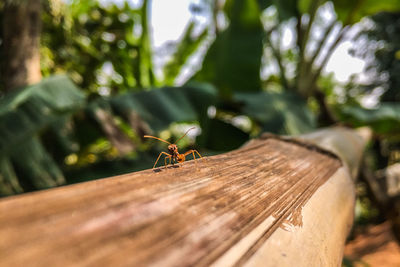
(173, 154)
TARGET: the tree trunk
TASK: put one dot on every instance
(21, 37)
(325, 117)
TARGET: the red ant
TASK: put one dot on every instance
(173, 154)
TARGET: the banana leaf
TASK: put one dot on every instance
(8, 180)
(280, 113)
(161, 107)
(24, 115)
(27, 111)
(233, 61)
(384, 120)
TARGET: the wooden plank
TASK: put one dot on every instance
(191, 214)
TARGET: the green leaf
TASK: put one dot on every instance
(147, 77)
(350, 12)
(385, 119)
(222, 136)
(159, 108)
(59, 138)
(83, 37)
(281, 113)
(304, 6)
(264, 3)
(286, 8)
(25, 112)
(9, 184)
(233, 61)
(36, 165)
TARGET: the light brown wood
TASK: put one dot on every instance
(327, 220)
(345, 143)
(226, 211)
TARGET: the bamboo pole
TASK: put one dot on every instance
(273, 202)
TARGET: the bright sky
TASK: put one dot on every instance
(169, 19)
(342, 64)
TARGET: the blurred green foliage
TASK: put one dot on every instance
(233, 61)
(383, 120)
(69, 135)
(24, 114)
(379, 45)
(83, 37)
(285, 112)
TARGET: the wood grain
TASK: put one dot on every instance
(327, 219)
(191, 214)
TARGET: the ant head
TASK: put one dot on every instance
(173, 148)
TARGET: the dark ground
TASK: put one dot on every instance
(374, 246)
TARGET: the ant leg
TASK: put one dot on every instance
(197, 152)
(194, 159)
(192, 151)
(165, 160)
(159, 158)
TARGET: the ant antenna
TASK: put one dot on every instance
(184, 135)
(162, 140)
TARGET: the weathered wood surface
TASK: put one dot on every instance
(270, 202)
